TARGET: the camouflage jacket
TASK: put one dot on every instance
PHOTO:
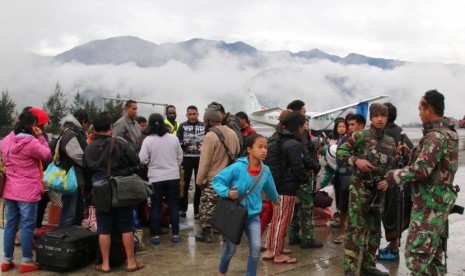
(372, 145)
(432, 167)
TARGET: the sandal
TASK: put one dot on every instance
(100, 269)
(7, 266)
(286, 261)
(23, 268)
(138, 266)
(267, 258)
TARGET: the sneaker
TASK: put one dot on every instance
(387, 254)
(372, 271)
(383, 250)
(175, 239)
(311, 244)
(155, 240)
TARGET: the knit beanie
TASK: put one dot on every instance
(378, 109)
(81, 115)
(212, 115)
(284, 114)
(42, 116)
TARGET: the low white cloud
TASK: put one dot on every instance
(322, 85)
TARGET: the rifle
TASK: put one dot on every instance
(400, 213)
(457, 209)
(400, 199)
(376, 202)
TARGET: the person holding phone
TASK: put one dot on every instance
(22, 150)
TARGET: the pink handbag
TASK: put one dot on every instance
(91, 221)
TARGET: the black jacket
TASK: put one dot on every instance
(293, 168)
(395, 132)
(123, 159)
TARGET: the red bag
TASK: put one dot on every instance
(266, 214)
(322, 216)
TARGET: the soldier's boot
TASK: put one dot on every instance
(294, 239)
(311, 243)
(205, 235)
(372, 271)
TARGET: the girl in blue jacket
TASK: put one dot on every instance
(234, 182)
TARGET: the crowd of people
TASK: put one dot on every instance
(226, 157)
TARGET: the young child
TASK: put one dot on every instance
(234, 182)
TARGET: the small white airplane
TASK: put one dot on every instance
(318, 120)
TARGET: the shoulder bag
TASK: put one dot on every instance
(229, 217)
(119, 191)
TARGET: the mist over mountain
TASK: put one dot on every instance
(126, 49)
(199, 71)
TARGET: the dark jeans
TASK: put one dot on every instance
(41, 209)
(72, 211)
(190, 164)
(170, 190)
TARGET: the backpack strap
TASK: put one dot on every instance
(221, 138)
(56, 156)
(112, 146)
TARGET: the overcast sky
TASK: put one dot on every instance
(413, 30)
(417, 31)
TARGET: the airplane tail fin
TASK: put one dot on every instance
(251, 102)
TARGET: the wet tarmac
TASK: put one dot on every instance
(194, 258)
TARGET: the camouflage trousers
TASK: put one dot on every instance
(424, 252)
(207, 205)
(363, 228)
(302, 227)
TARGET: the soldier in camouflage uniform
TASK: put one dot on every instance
(302, 227)
(431, 173)
(372, 153)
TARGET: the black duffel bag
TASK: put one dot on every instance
(129, 190)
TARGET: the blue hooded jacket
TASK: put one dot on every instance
(238, 176)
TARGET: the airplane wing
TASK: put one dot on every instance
(341, 109)
(266, 111)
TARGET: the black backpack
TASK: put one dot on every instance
(275, 159)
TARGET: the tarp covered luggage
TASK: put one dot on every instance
(66, 249)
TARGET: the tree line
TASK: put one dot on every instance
(57, 107)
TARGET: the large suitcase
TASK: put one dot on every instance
(66, 249)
